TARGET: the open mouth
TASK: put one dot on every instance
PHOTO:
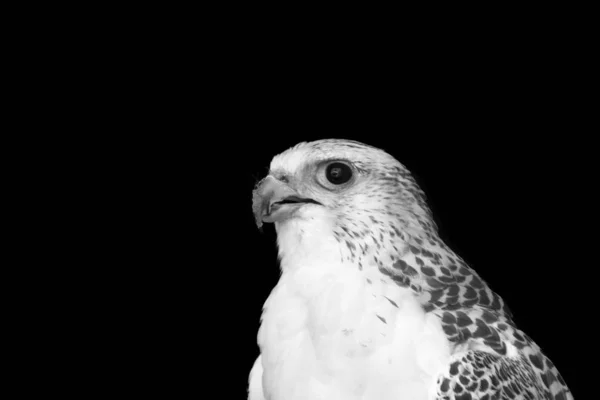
(290, 200)
(295, 200)
(274, 201)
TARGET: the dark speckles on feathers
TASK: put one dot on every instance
(399, 234)
(458, 388)
(463, 319)
(489, 317)
(483, 330)
(446, 279)
(518, 336)
(391, 301)
(400, 280)
(448, 318)
(454, 368)
(410, 271)
(428, 307)
(436, 295)
(484, 298)
(470, 293)
(496, 303)
(450, 330)
(401, 265)
(476, 282)
(445, 385)
(428, 271)
(536, 361)
(434, 283)
(426, 253)
(453, 290)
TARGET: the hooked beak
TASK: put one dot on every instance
(273, 200)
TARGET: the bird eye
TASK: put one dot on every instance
(338, 173)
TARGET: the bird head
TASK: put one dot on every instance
(350, 185)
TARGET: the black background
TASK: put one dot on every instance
(490, 127)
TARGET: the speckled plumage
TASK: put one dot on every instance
(370, 293)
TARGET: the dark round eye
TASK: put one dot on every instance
(338, 173)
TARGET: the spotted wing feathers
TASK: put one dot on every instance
(492, 358)
(486, 376)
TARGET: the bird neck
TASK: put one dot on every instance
(306, 243)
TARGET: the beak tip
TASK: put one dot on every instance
(257, 208)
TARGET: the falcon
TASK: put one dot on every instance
(371, 303)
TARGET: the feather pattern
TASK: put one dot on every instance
(372, 304)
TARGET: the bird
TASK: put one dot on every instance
(371, 303)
